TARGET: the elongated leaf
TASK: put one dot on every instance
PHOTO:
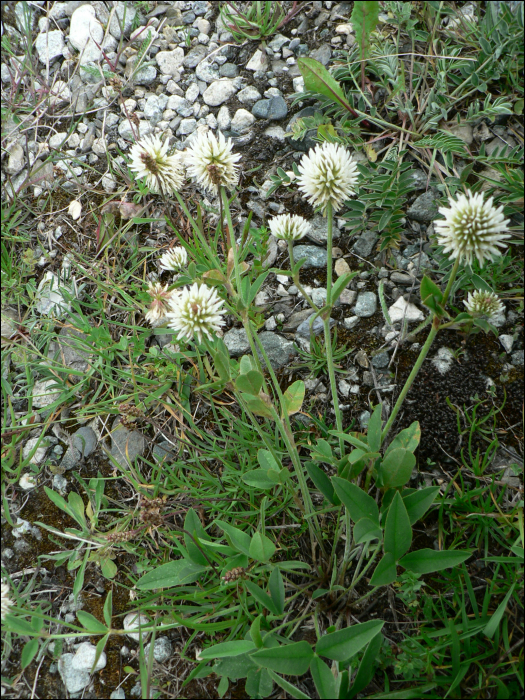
(255, 632)
(366, 530)
(351, 439)
(108, 608)
(267, 460)
(91, 623)
(430, 289)
(256, 286)
(322, 452)
(364, 19)
(373, 435)
(276, 587)
(258, 683)
(366, 669)
(227, 649)
(427, 561)
(290, 659)
(398, 533)
(263, 598)
(408, 438)
(246, 364)
(174, 573)
(359, 504)
(495, 620)
(257, 405)
(323, 678)
(294, 397)
(239, 540)
(419, 502)
(259, 478)
(385, 572)
(322, 482)
(396, 468)
(290, 689)
(318, 79)
(251, 382)
(28, 652)
(261, 548)
(341, 284)
(342, 645)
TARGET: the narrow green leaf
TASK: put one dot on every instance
(396, 468)
(290, 659)
(366, 669)
(174, 573)
(261, 548)
(342, 645)
(294, 397)
(351, 439)
(322, 482)
(276, 587)
(341, 284)
(227, 649)
(255, 632)
(419, 502)
(239, 540)
(91, 623)
(28, 652)
(366, 530)
(408, 438)
(364, 19)
(290, 689)
(427, 561)
(495, 620)
(108, 608)
(398, 533)
(251, 382)
(257, 285)
(259, 478)
(263, 598)
(359, 504)
(385, 572)
(430, 289)
(318, 79)
(373, 435)
(323, 678)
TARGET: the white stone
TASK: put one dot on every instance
(259, 61)
(507, 341)
(223, 118)
(187, 126)
(122, 17)
(261, 298)
(249, 95)
(351, 322)
(169, 62)
(219, 92)
(242, 121)
(45, 392)
(192, 93)
(402, 308)
(443, 360)
(84, 31)
(132, 621)
(27, 482)
(40, 452)
(99, 146)
(126, 131)
(344, 388)
(85, 656)
(202, 25)
(109, 182)
(271, 324)
(275, 132)
(341, 267)
(49, 45)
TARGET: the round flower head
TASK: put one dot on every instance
(174, 260)
(6, 600)
(160, 299)
(194, 311)
(328, 175)
(481, 303)
(211, 163)
(471, 227)
(288, 227)
(162, 173)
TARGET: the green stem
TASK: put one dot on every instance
(233, 243)
(327, 334)
(422, 355)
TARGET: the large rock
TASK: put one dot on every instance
(278, 349)
(425, 207)
(49, 45)
(126, 444)
(84, 31)
(273, 108)
(71, 349)
(219, 92)
(315, 257)
(404, 309)
(366, 304)
(318, 231)
(365, 244)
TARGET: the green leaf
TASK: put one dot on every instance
(359, 504)
(174, 573)
(258, 683)
(91, 623)
(385, 572)
(234, 667)
(263, 598)
(267, 460)
(373, 435)
(227, 649)
(239, 540)
(261, 548)
(322, 452)
(341, 284)
(259, 478)
(290, 659)
(419, 502)
(408, 438)
(276, 587)
(246, 364)
(251, 382)
(318, 79)
(290, 689)
(396, 468)
(108, 608)
(430, 289)
(323, 678)
(366, 530)
(28, 652)
(398, 533)
(108, 569)
(223, 686)
(366, 669)
(255, 632)
(351, 439)
(495, 619)
(427, 561)
(256, 286)
(76, 506)
(193, 525)
(257, 405)
(294, 397)
(322, 482)
(364, 19)
(342, 645)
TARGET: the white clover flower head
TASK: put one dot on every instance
(195, 311)
(210, 161)
(174, 259)
(289, 227)
(161, 172)
(328, 176)
(472, 227)
(482, 303)
(6, 600)
(160, 300)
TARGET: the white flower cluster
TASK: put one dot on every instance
(289, 227)
(472, 227)
(160, 299)
(209, 161)
(481, 303)
(195, 311)
(6, 599)
(174, 260)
